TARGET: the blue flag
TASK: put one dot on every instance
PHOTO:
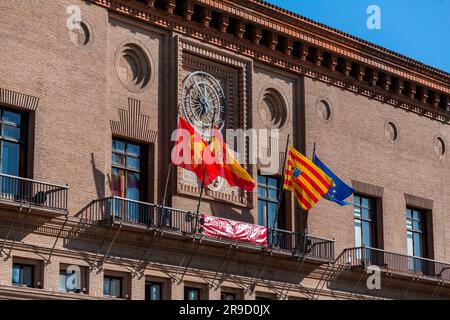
(340, 190)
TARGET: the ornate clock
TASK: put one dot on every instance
(203, 102)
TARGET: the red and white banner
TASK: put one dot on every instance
(239, 231)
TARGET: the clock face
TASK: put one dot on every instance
(203, 102)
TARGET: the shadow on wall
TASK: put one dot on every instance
(16, 228)
(99, 179)
(225, 211)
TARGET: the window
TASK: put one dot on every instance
(63, 281)
(268, 194)
(13, 138)
(72, 279)
(112, 287)
(129, 170)
(23, 275)
(153, 291)
(227, 296)
(264, 298)
(364, 211)
(416, 233)
(191, 294)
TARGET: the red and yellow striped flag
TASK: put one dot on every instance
(229, 168)
(306, 180)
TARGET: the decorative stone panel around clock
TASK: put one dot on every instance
(233, 73)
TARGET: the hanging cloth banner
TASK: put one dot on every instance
(233, 230)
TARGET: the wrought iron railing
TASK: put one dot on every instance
(115, 209)
(364, 256)
(301, 245)
(120, 210)
(33, 192)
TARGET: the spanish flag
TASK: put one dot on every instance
(306, 180)
(229, 168)
(188, 153)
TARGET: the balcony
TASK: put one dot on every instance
(136, 215)
(302, 245)
(395, 263)
(140, 216)
(40, 197)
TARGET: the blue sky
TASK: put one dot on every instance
(419, 29)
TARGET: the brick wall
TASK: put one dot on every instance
(80, 94)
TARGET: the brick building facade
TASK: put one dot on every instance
(73, 102)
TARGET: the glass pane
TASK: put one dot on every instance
(192, 294)
(155, 292)
(16, 274)
(272, 212)
(133, 186)
(118, 146)
(367, 234)
(357, 211)
(134, 149)
(409, 244)
(133, 163)
(273, 183)
(358, 234)
(262, 193)
(366, 214)
(408, 214)
(28, 276)
(12, 117)
(115, 289)
(73, 281)
(417, 225)
(227, 296)
(356, 200)
(118, 159)
(10, 158)
(409, 224)
(418, 248)
(262, 180)
(261, 213)
(416, 214)
(273, 194)
(11, 132)
(118, 182)
(62, 281)
(365, 203)
(106, 286)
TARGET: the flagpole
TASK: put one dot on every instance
(169, 169)
(166, 186)
(282, 185)
(314, 152)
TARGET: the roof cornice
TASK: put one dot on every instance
(293, 25)
(300, 46)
